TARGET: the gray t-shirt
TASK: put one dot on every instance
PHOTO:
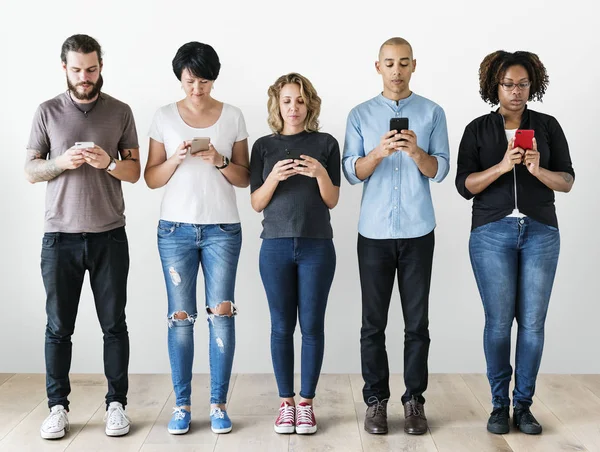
(85, 199)
(296, 208)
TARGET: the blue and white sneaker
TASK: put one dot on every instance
(219, 421)
(180, 422)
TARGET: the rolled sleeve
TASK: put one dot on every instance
(439, 146)
(353, 149)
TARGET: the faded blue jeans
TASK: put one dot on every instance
(183, 248)
(514, 261)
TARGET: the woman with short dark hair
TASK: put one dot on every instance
(199, 152)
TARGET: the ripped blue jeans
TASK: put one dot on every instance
(183, 248)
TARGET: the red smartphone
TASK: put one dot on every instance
(524, 139)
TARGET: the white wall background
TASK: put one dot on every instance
(334, 44)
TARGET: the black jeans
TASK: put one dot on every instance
(379, 261)
(65, 258)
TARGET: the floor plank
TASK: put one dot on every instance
(19, 396)
(147, 397)
(5, 377)
(555, 437)
(87, 395)
(576, 406)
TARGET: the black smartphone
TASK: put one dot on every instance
(294, 154)
(398, 124)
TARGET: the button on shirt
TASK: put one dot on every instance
(396, 202)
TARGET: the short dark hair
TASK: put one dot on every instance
(198, 58)
(80, 44)
(494, 66)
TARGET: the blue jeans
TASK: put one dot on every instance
(183, 248)
(514, 261)
(297, 274)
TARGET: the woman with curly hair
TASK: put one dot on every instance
(514, 242)
(295, 181)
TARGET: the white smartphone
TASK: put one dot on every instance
(199, 144)
(84, 144)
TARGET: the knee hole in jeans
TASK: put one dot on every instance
(178, 317)
(223, 309)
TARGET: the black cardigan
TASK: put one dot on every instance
(484, 144)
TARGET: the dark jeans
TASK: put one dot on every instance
(514, 261)
(65, 258)
(297, 274)
(379, 261)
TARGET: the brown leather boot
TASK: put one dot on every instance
(376, 417)
(415, 422)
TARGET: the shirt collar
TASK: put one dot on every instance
(393, 104)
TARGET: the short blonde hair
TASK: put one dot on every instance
(309, 95)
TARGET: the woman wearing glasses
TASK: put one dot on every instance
(515, 242)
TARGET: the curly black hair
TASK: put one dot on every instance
(494, 66)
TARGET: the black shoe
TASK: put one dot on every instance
(498, 421)
(524, 420)
(376, 416)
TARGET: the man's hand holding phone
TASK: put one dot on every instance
(71, 159)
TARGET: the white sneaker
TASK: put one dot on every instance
(117, 422)
(56, 424)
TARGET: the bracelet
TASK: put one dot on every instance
(224, 165)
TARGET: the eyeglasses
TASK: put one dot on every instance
(510, 86)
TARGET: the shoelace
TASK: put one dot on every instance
(499, 414)
(217, 412)
(304, 414)
(527, 418)
(286, 414)
(179, 414)
(116, 415)
(56, 415)
(378, 406)
(413, 408)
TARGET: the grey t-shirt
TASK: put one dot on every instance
(85, 199)
(296, 208)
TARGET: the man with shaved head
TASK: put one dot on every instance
(395, 227)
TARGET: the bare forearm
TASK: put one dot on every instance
(237, 175)
(261, 197)
(157, 176)
(39, 170)
(126, 170)
(557, 181)
(477, 182)
(365, 166)
(427, 164)
(329, 192)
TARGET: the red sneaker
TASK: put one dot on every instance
(306, 423)
(286, 420)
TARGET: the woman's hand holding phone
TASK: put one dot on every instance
(512, 157)
(532, 160)
(180, 153)
(283, 169)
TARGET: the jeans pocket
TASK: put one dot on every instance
(482, 228)
(230, 228)
(48, 241)
(551, 228)
(118, 235)
(165, 228)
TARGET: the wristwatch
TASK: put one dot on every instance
(224, 165)
(112, 165)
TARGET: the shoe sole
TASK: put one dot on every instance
(52, 435)
(306, 430)
(284, 429)
(376, 432)
(415, 432)
(222, 430)
(178, 431)
(529, 432)
(498, 430)
(119, 432)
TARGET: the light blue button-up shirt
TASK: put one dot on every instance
(396, 201)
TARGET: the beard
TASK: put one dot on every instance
(85, 96)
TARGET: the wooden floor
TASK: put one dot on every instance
(568, 407)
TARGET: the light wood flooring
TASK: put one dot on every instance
(568, 407)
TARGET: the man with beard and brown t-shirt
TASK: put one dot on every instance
(84, 226)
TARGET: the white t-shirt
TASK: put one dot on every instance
(510, 134)
(197, 192)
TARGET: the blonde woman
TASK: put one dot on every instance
(295, 181)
